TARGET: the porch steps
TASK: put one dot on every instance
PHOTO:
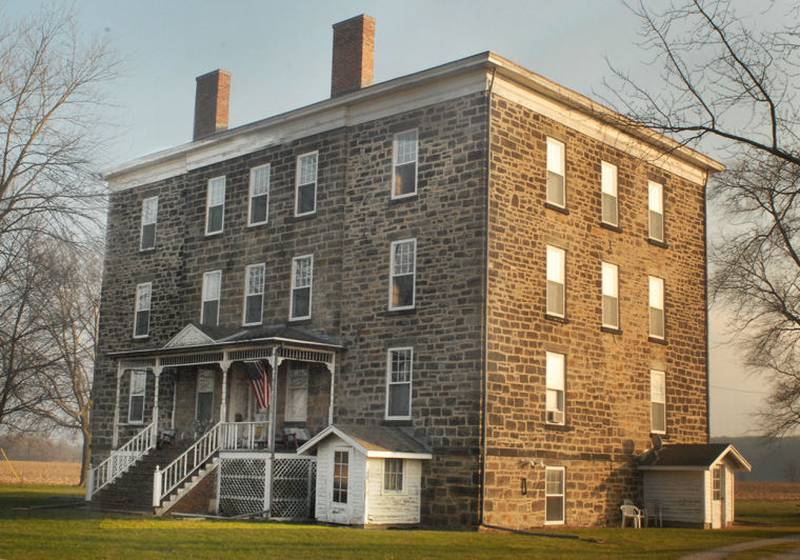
(187, 486)
(133, 491)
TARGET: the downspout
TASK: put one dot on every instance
(273, 418)
(485, 311)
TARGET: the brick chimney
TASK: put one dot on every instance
(211, 103)
(353, 54)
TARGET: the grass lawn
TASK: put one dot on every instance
(76, 533)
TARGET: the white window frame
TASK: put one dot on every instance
(654, 374)
(297, 184)
(562, 147)
(403, 469)
(389, 381)
(209, 207)
(154, 223)
(345, 450)
(552, 249)
(416, 162)
(203, 299)
(131, 394)
(563, 495)
(555, 357)
(650, 298)
(413, 241)
(612, 269)
(251, 196)
(247, 293)
(294, 287)
(660, 187)
(136, 310)
(609, 184)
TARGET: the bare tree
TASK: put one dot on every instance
(730, 82)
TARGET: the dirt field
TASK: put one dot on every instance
(769, 491)
(40, 472)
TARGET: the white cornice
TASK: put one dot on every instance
(448, 81)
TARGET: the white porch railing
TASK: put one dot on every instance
(223, 435)
(121, 459)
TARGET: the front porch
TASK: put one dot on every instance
(239, 405)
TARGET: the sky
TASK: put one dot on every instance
(279, 56)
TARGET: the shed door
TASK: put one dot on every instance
(718, 497)
(341, 500)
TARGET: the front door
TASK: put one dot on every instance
(204, 400)
(718, 497)
(341, 505)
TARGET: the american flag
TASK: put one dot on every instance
(259, 380)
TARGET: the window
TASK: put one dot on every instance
(556, 191)
(259, 195)
(393, 475)
(136, 398)
(658, 402)
(204, 399)
(306, 189)
(610, 281)
(716, 482)
(212, 285)
(403, 274)
(655, 205)
(555, 281)
(141, 321)
(341, 464)
(149, 219)
(253, 294)
(554, 495)
(404, 178)
(302, 280)
(656, 295)
(399, 371)
(297, 393)
(608, 189)
(215, 205)
(555, 388)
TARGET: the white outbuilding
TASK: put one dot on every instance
(367, 475)
(692, 485)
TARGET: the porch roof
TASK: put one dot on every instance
(196, 337)
(373, 441)
(692, 456)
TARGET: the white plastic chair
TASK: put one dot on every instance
(630, 511)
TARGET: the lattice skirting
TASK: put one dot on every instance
(242, 486)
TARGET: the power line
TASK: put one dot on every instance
(724, 388)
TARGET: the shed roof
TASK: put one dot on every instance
(683, 456)
(373, 441)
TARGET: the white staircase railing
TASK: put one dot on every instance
(221, 436)
(121, 459)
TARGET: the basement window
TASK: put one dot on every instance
(554, 495)
(404, 178)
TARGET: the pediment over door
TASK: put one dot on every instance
(190, 335)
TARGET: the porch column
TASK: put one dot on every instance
(115, 436)
(157, 369)
(332, 368)
(225, 365)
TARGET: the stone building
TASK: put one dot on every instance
(488, 289)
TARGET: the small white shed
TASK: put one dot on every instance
(367, 475)
(692, 484)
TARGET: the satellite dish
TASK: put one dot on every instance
(657, 442)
